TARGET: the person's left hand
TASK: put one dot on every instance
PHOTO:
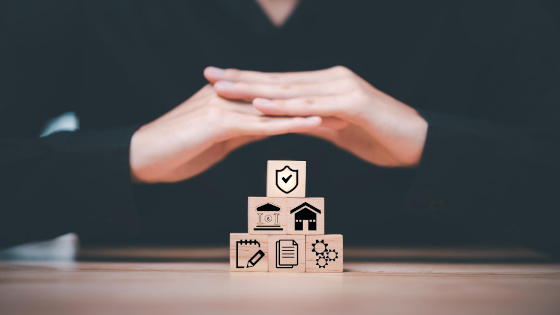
(357, 116)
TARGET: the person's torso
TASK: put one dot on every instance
(142, 58)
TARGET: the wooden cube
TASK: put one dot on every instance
(286, 253)
(267, 215)
(285, 179)
(324, 253)
(306, 216)
(248, 252)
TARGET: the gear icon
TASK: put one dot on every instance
(319, 247)
(322, 262)
(331, 255)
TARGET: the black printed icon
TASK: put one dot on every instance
(268, 218)
(323, 253)
(286, 253)
(255, 259)
(286, 179)
(305, 213)
(250, 246)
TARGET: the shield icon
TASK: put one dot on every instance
(286, 179)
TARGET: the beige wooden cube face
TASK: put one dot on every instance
(248, 253)
(267, 215)
(306, 216)
(286, 253)
(323, 253)
(286, 179)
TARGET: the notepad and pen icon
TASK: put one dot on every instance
(248, 245)
(286, 254)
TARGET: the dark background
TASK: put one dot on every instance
(363, 202)
(350, 187)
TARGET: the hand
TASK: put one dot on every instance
(356, 116)
(200, 132)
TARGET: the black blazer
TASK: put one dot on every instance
(484, 74)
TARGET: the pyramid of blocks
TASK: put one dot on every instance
(286, 229)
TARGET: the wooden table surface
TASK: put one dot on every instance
(407, 280)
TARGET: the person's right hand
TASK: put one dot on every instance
(200, 132)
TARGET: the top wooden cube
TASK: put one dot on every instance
(286, 179)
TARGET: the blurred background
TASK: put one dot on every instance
(174, 215)
(397, 260)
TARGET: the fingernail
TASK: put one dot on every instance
(313, 119)
(214, 70)
(261, 101)
(223, 84)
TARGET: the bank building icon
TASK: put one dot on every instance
(268, 218)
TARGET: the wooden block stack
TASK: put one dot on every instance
(286, 229)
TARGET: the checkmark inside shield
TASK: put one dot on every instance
(286, 179)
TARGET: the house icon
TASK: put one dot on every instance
(305, 212)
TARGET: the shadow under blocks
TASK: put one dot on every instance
(286, 229)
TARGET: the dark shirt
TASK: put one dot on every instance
(484, 74)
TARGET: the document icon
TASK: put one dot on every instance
(286, 254)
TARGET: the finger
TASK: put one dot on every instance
(217, 101)
(250, 91)
(235, 105)
(303, 106)
(214, 74)
(244, 108)
(269, 126)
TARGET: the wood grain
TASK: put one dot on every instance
(387, 280)
(246, 248)
(317, 203)
(273, 253)
(324, 253)
(263, 222)
(272, 189)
